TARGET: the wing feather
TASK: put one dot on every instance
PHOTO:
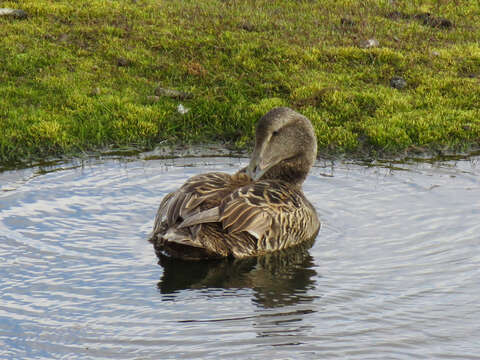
(255, 207)
(228, 214)
(199, 193)
(174, 207)
(235, 211)
(202, 217)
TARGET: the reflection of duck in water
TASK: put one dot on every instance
(279, 278)
(255, 211)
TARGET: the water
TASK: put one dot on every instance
(394, 272)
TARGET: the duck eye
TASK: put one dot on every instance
(275, 133)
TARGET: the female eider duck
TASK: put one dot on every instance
(257, 210)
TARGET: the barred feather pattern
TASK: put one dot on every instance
(241, 218)
(277, 213)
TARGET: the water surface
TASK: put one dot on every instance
(394, 271)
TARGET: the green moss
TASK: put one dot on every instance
(81, 75)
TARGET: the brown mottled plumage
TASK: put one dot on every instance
(255, 211)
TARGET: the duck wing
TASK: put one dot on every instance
(254, 219)
(199, 193)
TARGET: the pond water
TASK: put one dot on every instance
(394, 271)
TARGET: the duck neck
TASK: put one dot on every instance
(293, 171)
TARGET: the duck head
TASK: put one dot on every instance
(285, 147)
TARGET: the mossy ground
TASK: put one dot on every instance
(80, 75)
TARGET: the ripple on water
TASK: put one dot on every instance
(393, 273)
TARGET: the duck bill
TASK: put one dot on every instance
(255, 172)
(259, 166)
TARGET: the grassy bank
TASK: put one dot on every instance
(78, 75)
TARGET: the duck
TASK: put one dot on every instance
(257, 210)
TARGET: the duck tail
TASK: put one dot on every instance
(179, 244)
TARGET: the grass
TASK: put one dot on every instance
(77, 76)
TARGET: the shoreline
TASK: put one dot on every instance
(217, 150)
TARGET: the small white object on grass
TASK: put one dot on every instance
(370, 43)
(182, 109)
(16, 13)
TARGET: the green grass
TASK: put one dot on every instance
(63, 89)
